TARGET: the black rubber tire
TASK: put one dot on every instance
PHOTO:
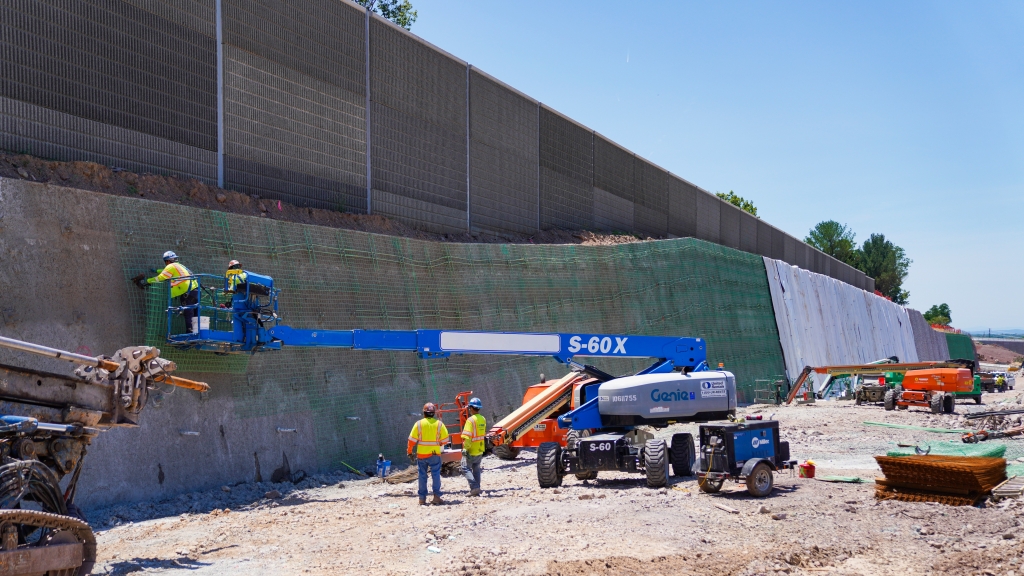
(935, 403)
(571, 440)
(948, 403)
(760, 480)
(506, 452)
(889, 401)
(656, 462)
(682, 454)
(977, 399)
(710, 486)
(549, 465)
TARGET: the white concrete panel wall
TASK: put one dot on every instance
(823, 321)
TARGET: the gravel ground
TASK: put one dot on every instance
(331, 524)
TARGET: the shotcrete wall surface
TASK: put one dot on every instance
(822, 321)
(67, 256)
(931, 344)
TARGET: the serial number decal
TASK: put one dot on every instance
(597, 344)
(600, 446)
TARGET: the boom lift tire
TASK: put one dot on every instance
(682, 454)
(948, 403)
(506, 452)
(977, 398)
(760, 480)
(935, 403)
(572, 438)
(889, 401)
(549, 465)
(656, 462)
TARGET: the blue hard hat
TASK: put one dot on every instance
(476, 403)
(170, 255)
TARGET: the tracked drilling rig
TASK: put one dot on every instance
(47, 423)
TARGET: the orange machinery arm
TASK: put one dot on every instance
(854, 369)
(541, 406)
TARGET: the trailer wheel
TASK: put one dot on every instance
(506, 452)
(682, 454)
(935, 403)
(710, 486)
(656, 463)
(571, 440)
(760, 481)
(889, 401)
(549, 465)
(948, 403)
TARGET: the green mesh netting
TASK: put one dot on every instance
(363, 402)
(990, 449)
(960, 346)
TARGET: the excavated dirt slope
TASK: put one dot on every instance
(100, 178)
(614, 525)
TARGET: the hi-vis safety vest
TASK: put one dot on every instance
(473, 434)
(179, 286)
(235, 278)
(427, 436)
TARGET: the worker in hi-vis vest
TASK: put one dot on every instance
(185, 289)
(236, 277)
(425, 445)
(473, 445)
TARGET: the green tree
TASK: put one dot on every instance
(836, 240)
(738, 201)
(939, 314)
(888, 264)
(398, 11)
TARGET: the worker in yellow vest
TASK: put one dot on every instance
(425, 444)
(473, 445)
(236, 277)
(185, 289)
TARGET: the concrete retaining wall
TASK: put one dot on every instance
(823, 322)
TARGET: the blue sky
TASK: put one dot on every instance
(902, 118)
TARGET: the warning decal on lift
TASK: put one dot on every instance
(712, 389)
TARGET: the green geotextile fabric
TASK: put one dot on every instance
(960, 346)
(983, 449)
(364, 402)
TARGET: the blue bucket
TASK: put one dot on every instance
(383, 468)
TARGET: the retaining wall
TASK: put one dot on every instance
(68, 255)
(1008, 343)
(931, 344)
(320, 103)
(822, 321)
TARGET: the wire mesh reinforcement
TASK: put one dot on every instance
(363, 402)
(960, 346)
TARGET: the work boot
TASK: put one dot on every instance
(423, 501)
(474, 492)
(437, 500)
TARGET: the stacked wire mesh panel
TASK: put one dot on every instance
(362, 401)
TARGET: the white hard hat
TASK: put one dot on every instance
(170, 255)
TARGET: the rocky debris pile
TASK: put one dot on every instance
(242, 496)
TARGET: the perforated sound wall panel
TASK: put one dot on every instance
(504, 155)
(111, 62)
(682, 207)
(764, 238)
(748, 232)
(418, 127)
(566, 173)
(614, 169)
(709, 215)
(199, 15)
(651, 216)
(730, 225)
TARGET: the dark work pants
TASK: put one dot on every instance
(189, 299)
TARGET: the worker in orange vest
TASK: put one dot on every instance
(473, 446)
(425, 443)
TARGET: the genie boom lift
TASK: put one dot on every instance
(604, 424)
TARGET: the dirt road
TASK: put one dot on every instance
(614, 525)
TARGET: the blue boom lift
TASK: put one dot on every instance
(605, 424)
